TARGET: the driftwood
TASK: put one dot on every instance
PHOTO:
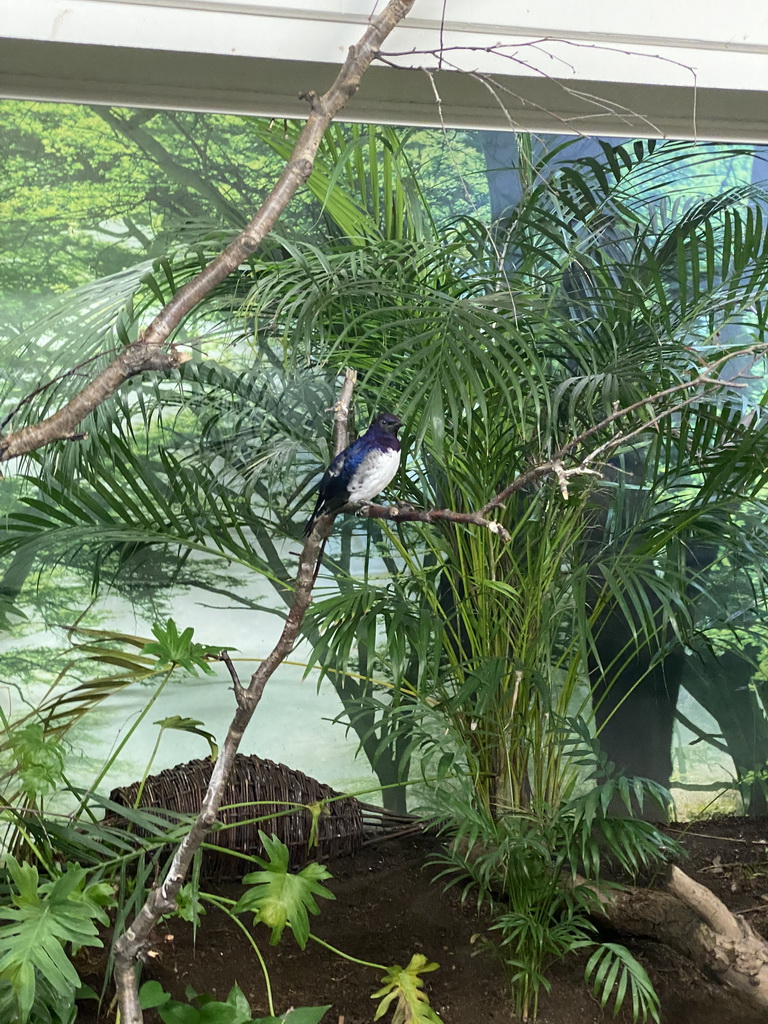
(692, 920)
(689, 918)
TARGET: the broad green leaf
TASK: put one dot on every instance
(152, 994)
(278, 897)
(44, 918)
(173, 648)
(405, 988)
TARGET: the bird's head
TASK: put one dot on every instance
(388, 422)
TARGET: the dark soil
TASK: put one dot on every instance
(386, 910)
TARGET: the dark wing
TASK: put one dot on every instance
(332, 490)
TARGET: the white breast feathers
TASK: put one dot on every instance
(374, 473)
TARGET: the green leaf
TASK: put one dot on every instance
(45, 917)
(613, 970)
(39, 757)
(191, 725)
(305, 1015)
(236, 999)
(235, 1010)
(172, 648)
(179, 1013)
(152, 994)
(221, 1013)
(406, 987)
(278, 897)
(297, 1015)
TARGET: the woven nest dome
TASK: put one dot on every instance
(278, 796)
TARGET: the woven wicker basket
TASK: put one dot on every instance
(264, 788)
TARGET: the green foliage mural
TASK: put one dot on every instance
(91, 191)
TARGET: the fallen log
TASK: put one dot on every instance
(692, 920)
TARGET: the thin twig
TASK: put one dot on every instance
(342, 428)
(237, 686)
(555, 463)
(409, 514)
(343, 413)
(718, 839)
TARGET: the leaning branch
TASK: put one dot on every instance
(134, 943)
(147, 351)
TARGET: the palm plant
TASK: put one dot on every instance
(596, 311)
(498, 348)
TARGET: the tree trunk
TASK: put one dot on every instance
(723, 685)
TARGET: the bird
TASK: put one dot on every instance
(362, 470)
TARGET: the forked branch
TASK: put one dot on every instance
(588, 462)
(134, 942)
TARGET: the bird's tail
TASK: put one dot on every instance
(317, 512)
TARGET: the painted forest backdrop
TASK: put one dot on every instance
(502, 293)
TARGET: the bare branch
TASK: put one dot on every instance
(237, 686)
(343, 413)
(62, 425)
(554, 465)
(409, 514)
(133, 944)
(544, 47)
(146, 352)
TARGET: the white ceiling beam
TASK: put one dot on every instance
(658, 68)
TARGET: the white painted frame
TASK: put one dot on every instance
(661, 68)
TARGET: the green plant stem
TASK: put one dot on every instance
(121, 745)
(224, 905)
(148, 767)
(346, 956)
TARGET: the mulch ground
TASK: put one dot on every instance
(386, 909)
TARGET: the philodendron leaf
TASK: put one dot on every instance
(44, 918)
(152, 994)
(205, 1009)
(297, 1015)
(407, 987)
(236, 999)
(172, 648)
(304, 1015)
(278, 897)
